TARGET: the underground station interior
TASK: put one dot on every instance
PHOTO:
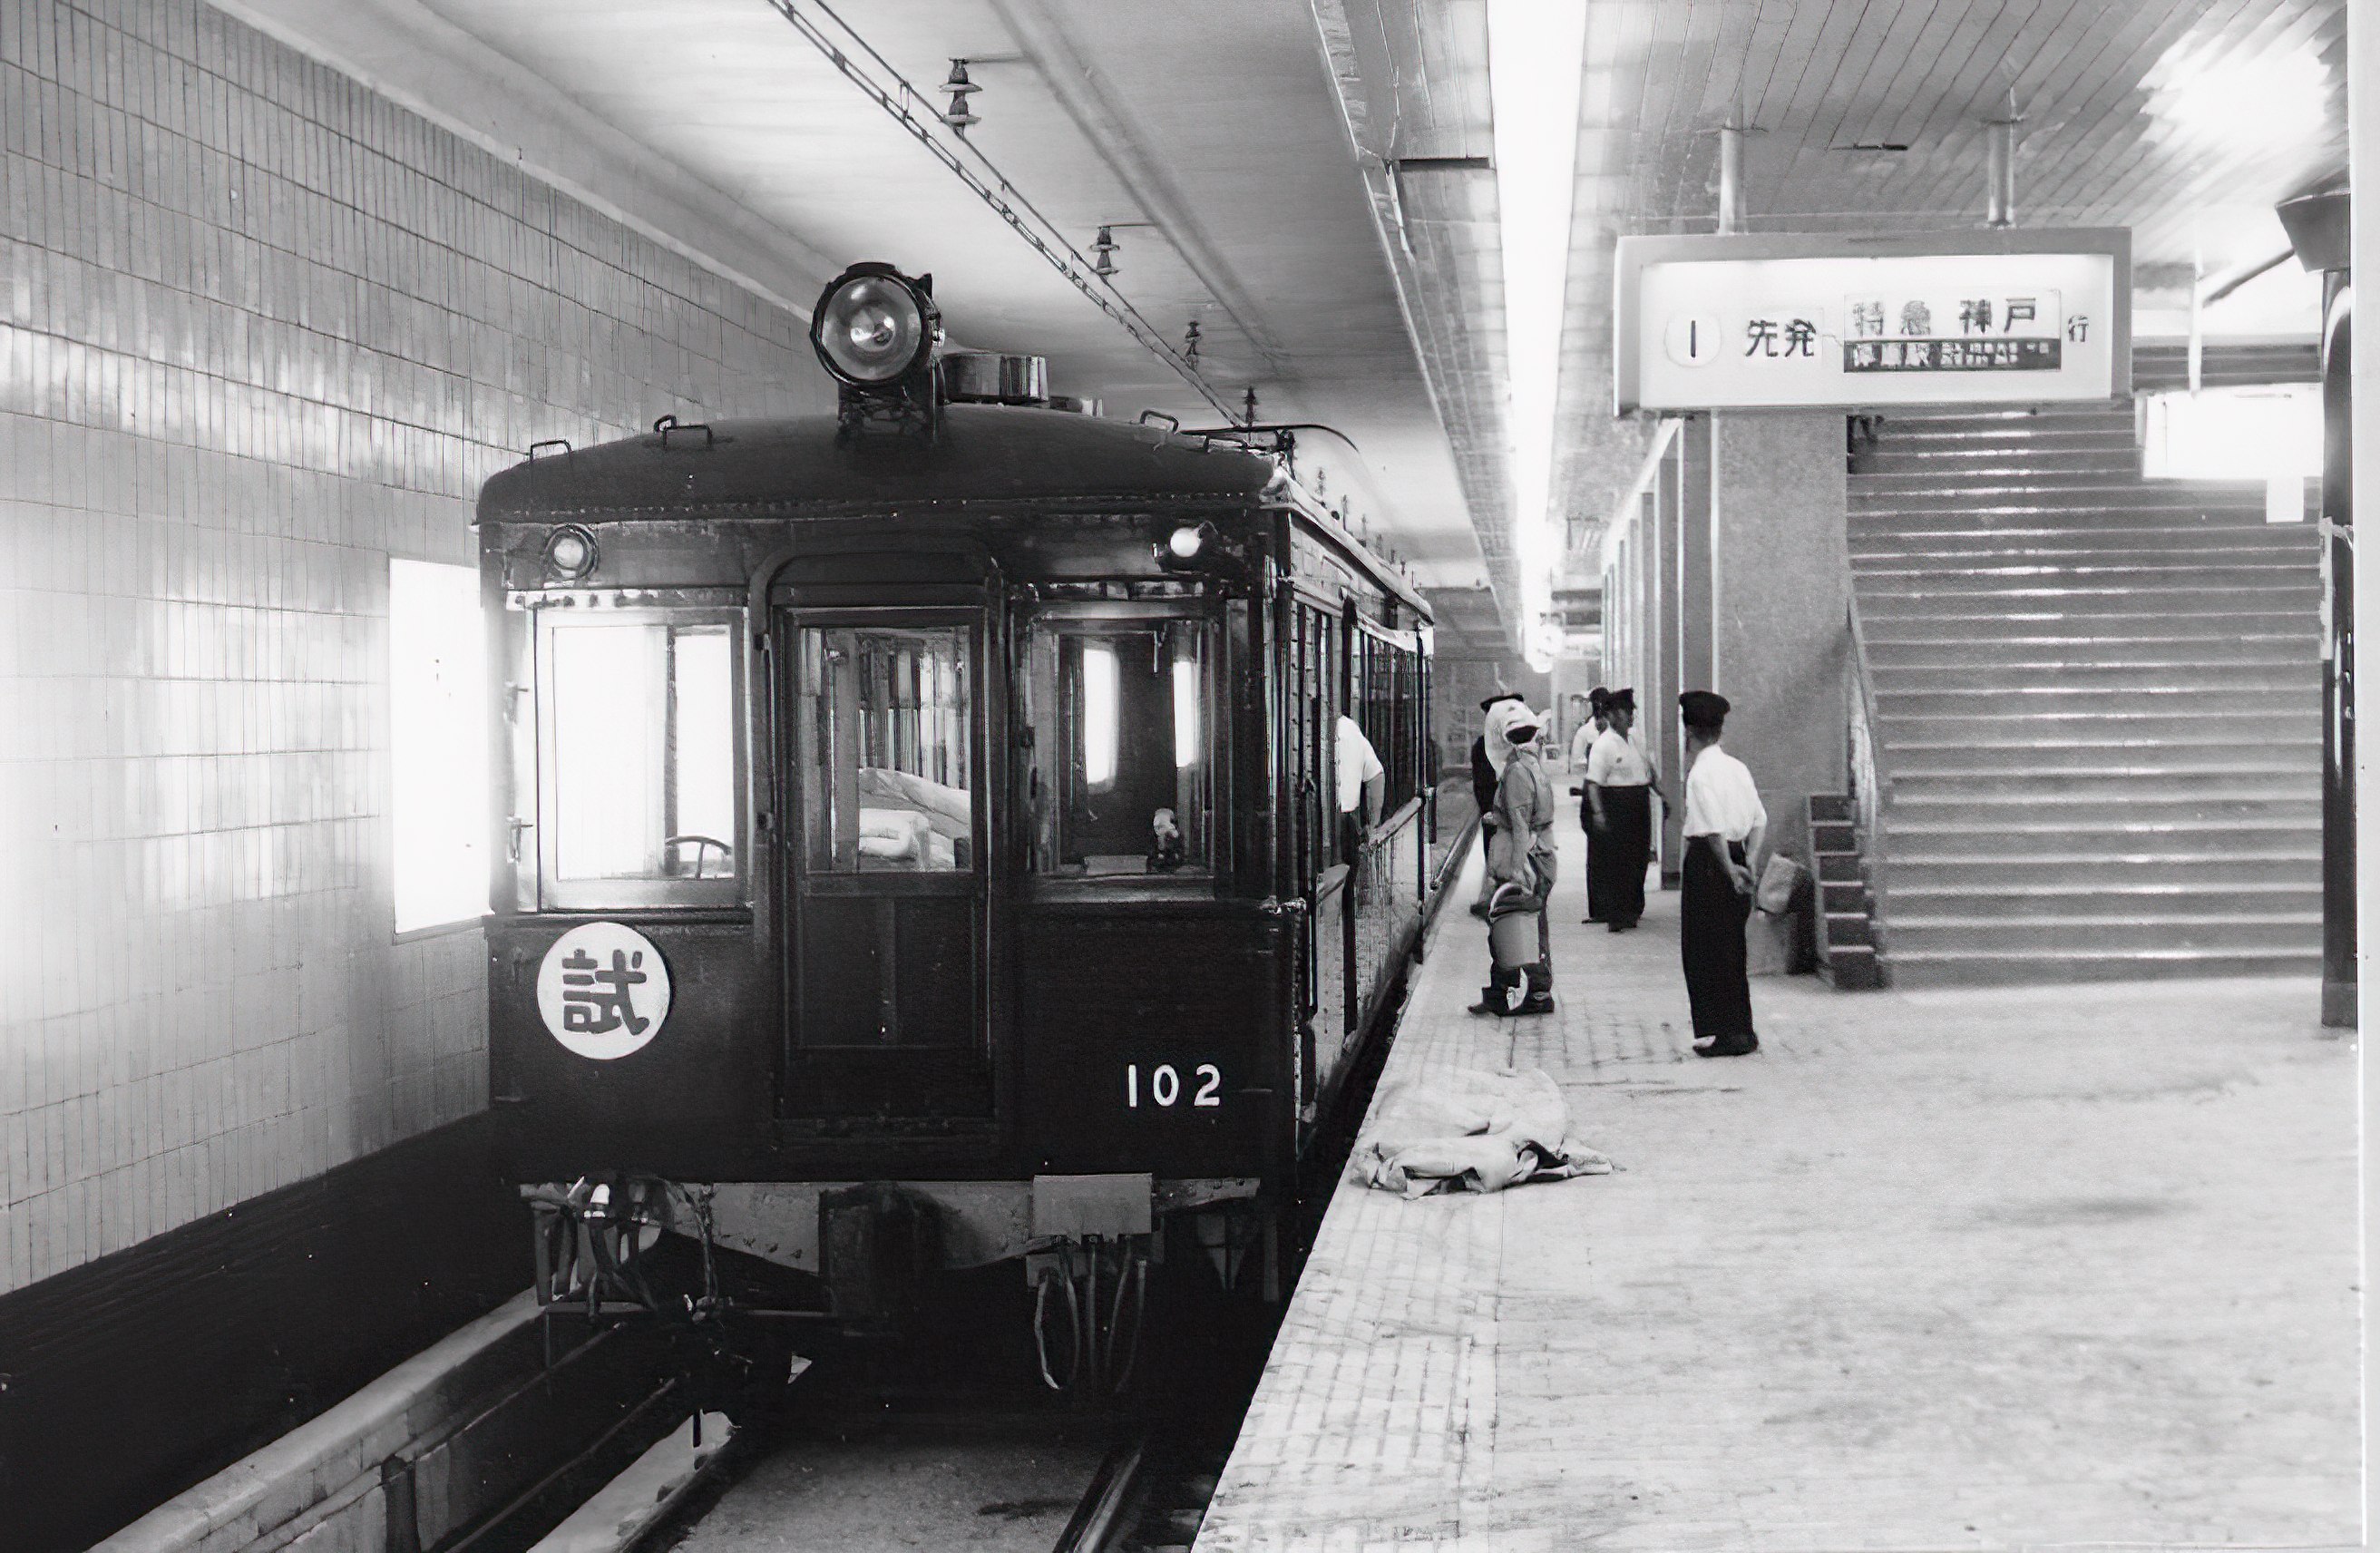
(1493, 774)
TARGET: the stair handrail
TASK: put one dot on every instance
(1871, 785)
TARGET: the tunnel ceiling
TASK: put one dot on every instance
(1306, 179)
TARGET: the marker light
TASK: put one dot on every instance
(1186, 542)
(569, 553)
(874, 326)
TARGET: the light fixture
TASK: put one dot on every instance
(570, 554)
(1536, 57)
(1103, 252)
(960, 115)
(1185, 542)
(875, 330)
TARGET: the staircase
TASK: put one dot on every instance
(2099, 700)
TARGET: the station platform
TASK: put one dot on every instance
(2068, 1265)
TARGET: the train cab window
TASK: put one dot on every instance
(1119, 746)
(641, 775)
(885, 728)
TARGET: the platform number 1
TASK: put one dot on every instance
(1165, 1085)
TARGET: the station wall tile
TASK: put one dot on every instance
(260, 330)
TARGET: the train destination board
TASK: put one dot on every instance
(1769, 321)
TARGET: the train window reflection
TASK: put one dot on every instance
(884, 728)
(1120, 775)
(641, 720)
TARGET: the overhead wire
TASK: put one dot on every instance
(912, 110)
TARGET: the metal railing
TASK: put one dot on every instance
(1871, 787)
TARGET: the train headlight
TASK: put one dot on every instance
(570, 554)
(1191, 547)
(1185, 542)
(874, 326)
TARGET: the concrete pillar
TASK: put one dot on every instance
(1781, 590)
(2363, 150)
(1693, 557)
(1656, 716)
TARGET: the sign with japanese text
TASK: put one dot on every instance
(1777, 321)
(604, 990)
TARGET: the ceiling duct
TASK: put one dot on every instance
(2000, 168)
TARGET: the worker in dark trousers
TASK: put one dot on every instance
(1619, 784)
(1582, 746)
(1725, 824)
(1488, 753)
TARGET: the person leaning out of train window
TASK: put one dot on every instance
(1363, 785)
(1488, 752)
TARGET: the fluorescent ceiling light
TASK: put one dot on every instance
(1535, 54)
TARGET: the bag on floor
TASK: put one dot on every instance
(1781, 882)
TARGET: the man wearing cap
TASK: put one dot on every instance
(1620, 783)
(1582, 747)
(1520, 852)
(1488, 752)
(1725, 824)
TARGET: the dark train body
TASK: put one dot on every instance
(860, 741)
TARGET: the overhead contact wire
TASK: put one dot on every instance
(1005, 202)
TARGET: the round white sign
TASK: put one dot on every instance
(603, 989)
(1693, 340)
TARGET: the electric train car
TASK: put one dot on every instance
(939, 799)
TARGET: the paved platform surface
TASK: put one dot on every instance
(2055, 1266)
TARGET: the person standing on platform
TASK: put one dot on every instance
(1619, 784)
(1520, 852)
(1724, 827)
(1598, 701)
(1488, 752)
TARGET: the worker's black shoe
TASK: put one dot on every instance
(1536, 1002)
(1742, 1047)
(1492, 1004)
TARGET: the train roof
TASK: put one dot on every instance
(982, 455)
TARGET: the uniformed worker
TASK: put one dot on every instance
(1488, 752)
(1520, 851)
(1725, 824)
(1598, 718)
(1620, 783)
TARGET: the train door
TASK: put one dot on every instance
(884, 894)
(1315, 685)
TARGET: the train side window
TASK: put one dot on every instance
(884, 729)
(1119, 766)
(641, 805)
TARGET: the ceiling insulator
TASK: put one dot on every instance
(959, 115)
(1249, 405)
(1103, 252)
(1190, 343)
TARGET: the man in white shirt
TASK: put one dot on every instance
(1725, 824)
(1620, 783)
(1362, 782)
(1582, 746)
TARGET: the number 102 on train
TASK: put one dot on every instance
(1161, 1086)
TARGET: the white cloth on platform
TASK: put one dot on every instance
(1470, 1131)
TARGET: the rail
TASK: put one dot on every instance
(1870, 788)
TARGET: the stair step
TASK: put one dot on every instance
(2043, 625)
(2069, 935)
(2033, 655)
(2090, 483)
(2098, 756)
(1911, 870)
(1915, 842)
(2261, 723)
(2017, 968)
(2281, 543)
(2302, 780)
(1927, 902)
(1894, 599)
(2231, 709)
(2253, 677)
(2095, 813)
(1969, 460)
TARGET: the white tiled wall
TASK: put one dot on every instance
(260, 330)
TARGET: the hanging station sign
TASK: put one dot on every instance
(1767, 320)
